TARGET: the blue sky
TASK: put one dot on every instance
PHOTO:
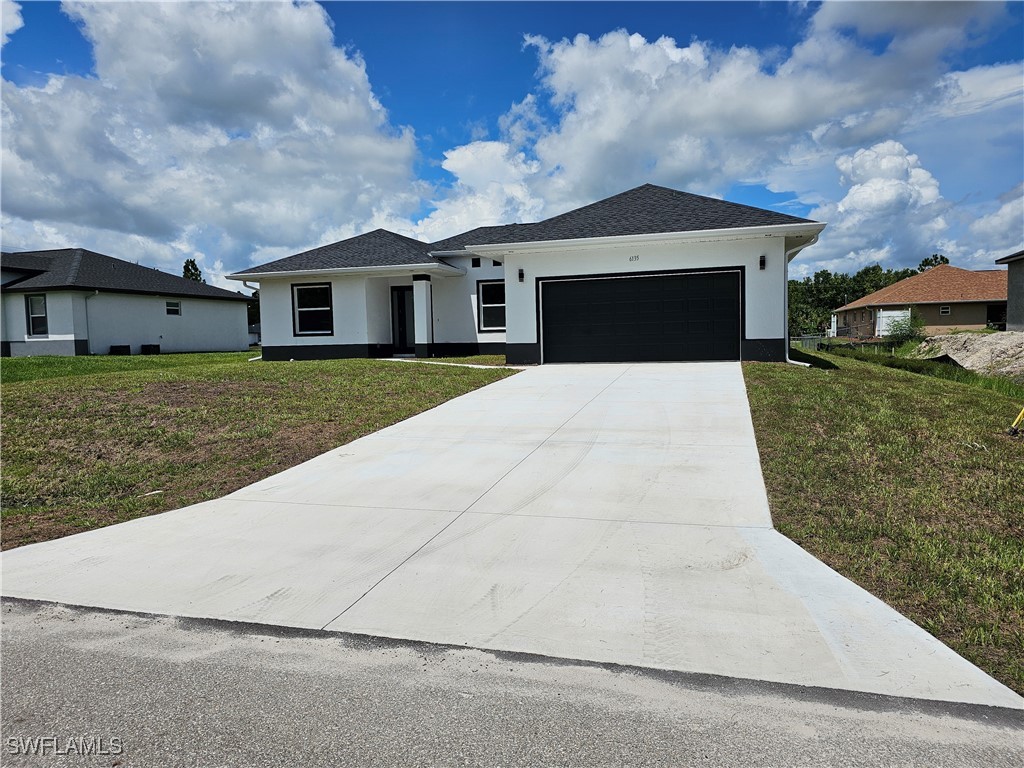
(239, 133)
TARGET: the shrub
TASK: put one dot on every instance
(910, 328)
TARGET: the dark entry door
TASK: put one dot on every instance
(403, 328)
(694, 316)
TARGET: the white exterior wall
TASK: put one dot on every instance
(362, 308)
(885, 317)
(349, 297)
(764, 309)
(205, 325)
(455, 299)
(378, 308)
(60, 322)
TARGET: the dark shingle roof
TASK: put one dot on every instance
(644, 210)
(79, 269)
(505, 233)
(379, 248)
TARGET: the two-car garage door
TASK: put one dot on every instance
(687, 316)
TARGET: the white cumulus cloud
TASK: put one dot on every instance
(10, 20)
(222, 128)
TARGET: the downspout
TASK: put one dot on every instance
(785, 271)
(253, 288)
(88, 333)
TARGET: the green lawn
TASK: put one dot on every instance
(92, 441)
(13, 369)
(908, 485)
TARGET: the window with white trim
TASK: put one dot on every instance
(312, 310)
(945, 310)
(490, 305)
(35, 312)
(173, 307)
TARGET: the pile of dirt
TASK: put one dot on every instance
(997, 354)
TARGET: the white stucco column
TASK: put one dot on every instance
(423, 313)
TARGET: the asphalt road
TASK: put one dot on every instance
(178, 692)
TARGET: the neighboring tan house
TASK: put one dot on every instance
(944, 297)
(1015, 290)
(76, 302)
(649, 274)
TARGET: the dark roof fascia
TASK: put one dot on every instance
(86, 289)
(847, 308)
(1019, 255)
(695, 234)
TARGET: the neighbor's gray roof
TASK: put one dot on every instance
(80, 269)
(379, 248)
(644, 210)
(1012, 257)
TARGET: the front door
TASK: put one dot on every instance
(403, 328)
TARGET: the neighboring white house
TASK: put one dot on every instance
(76, 302)
(649, 274)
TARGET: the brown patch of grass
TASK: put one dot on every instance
(909, 486)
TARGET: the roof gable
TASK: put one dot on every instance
(379, 248)
(944, 283)
(81, 269)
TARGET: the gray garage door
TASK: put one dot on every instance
(693, 316)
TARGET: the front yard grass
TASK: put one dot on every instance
(909, 486)
(88, 442)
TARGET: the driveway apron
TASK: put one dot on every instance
(611, 513)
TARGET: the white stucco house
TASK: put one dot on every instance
(651, 274)
(73, 301)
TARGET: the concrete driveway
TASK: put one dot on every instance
(613, 513)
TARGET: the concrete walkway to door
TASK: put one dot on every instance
(611, 513)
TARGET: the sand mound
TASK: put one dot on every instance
(1000, 354)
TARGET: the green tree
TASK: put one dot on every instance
(813, 299)
(932, 261)
(253, 308)
(191, 271)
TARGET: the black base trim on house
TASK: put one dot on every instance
(81, 347)
(326, 352)
(5, 349)
(348, 351)
(764, 350)
(522, 354)
(760, 350)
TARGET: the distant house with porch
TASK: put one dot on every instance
(944, 297)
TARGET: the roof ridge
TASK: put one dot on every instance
(76, 265)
